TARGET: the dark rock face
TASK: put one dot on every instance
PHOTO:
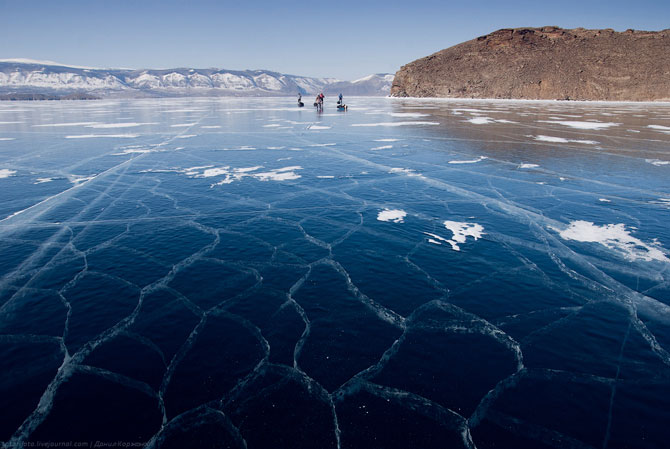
(545, 63)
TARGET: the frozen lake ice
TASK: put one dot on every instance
(409, 273)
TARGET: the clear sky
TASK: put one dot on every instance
(340, 38)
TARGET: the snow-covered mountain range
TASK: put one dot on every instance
(45, 77)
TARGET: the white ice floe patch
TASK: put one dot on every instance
(6, 173)
(318, 127)
(615, 237)
(581, 125)
(528, 166)
(392, 215)
(657, 162)
(5, 139)
(604, 200)
(383, 147)
(322, 145)
(117, 125)
(471, 161)
(43, 180)
(272, 125)
(326, 177)
(461, 230)
(182, 125)
(186, 136)
(387, 140)
(210, 127)
(553, 139)
(102, 136)
(395, 124)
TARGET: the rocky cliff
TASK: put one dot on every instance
(545, 63)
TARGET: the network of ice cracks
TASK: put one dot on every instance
(139, 200)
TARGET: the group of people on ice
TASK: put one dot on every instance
(318, 102)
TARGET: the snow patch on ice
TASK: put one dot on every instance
(663, 129)
(657, 162)
(462, 230)
(62, 125)
(210, 127)
(392, 215)
(317, 127)
(5, 139)
(117, 125)
(395, 124)
(553, 139)
(43, 180)
(98, 136)
(406, 171)
(581, 125)
(383, 147)
(387, 140)
(528, 166)
(6, 173)
(471, 161)
(615, 237)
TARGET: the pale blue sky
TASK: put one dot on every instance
(343, 39)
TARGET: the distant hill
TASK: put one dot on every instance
(545, 63)
(21, 78)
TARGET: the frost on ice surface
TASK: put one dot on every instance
(616, 237)
(392, 215)
(6, 173)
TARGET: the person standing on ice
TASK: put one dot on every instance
(340, 100)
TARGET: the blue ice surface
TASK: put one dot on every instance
(408, 273)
